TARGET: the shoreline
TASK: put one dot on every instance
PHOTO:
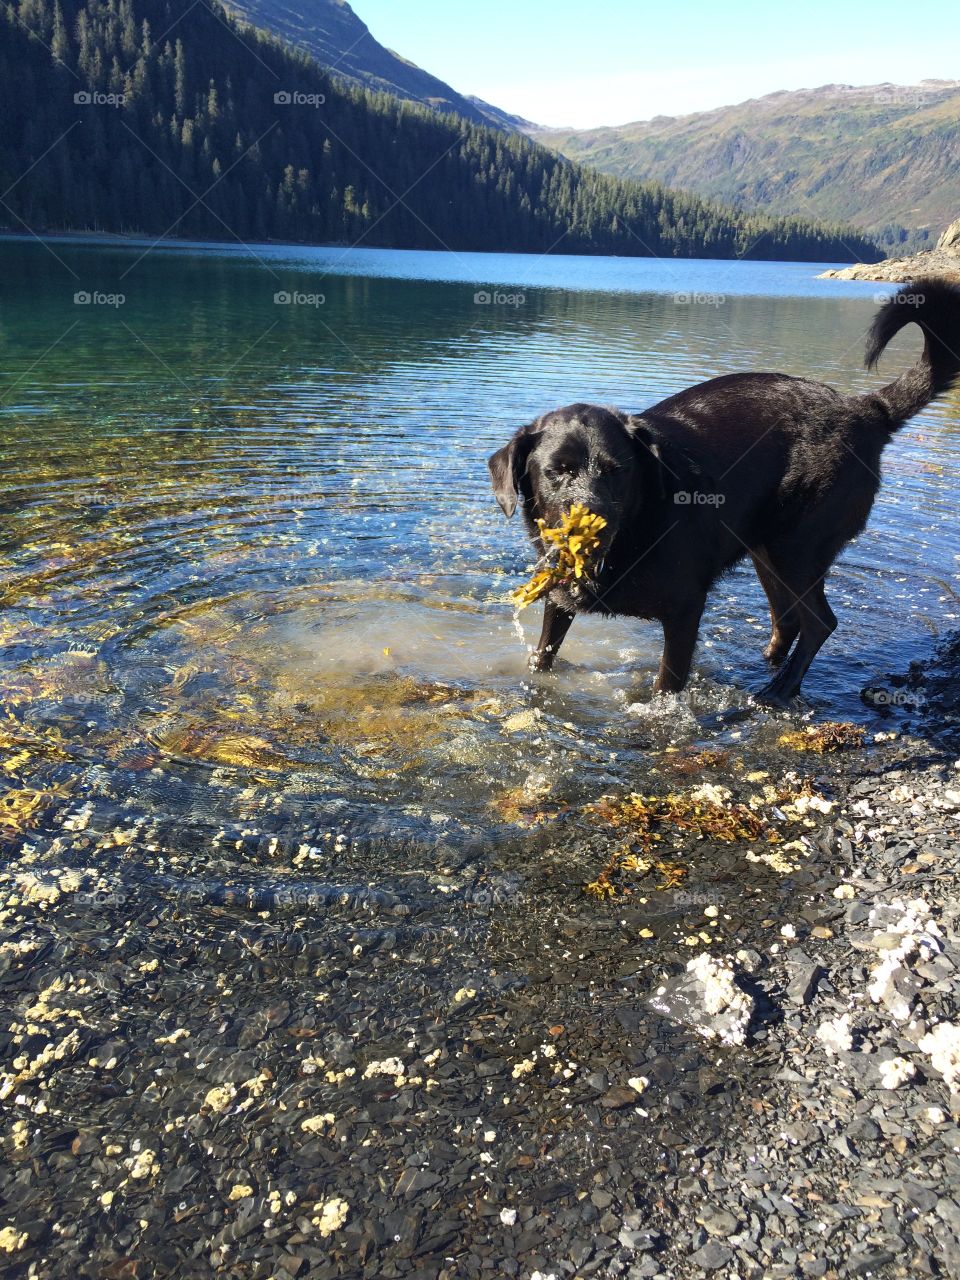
(358, 1088)
(942, 262)
(107, 238)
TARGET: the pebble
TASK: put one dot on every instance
(712, 1256)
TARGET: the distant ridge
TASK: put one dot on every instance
(884, 157)
(342, 42)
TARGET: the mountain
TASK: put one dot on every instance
(883, 157)
(342, 43)
(207, 129)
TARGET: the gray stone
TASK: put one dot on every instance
(718, 1222)
(712, 1256)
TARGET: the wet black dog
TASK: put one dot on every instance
(779, 468)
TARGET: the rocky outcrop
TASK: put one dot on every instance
(944, 261)
(949, 242)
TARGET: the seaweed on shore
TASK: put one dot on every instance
(690, 765)
(832, 735)
(646, 819)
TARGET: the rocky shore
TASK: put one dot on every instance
(943, 261)
(751, 1071)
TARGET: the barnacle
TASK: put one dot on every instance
(832, 735)
(575, 541)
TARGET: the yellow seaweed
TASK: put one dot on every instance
(644, 818)
(832, 735)
(575, 542)
(20, 808)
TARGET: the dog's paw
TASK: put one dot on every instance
(771, 697)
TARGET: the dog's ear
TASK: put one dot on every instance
(507, 466)
(651, 453)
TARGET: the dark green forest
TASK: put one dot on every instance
(166, 117)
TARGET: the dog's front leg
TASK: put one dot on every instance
(556, 624)
(679, 641)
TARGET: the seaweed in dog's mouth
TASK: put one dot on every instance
(576, 541)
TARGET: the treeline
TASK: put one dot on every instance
(899, 242)
(166, 117)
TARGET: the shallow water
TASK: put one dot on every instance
(255, 583)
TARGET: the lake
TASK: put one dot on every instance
(254, 579)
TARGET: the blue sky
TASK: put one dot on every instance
(611, 61)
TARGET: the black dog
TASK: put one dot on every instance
(779, 468)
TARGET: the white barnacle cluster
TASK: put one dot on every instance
(329, 1215)
(902, 930)
(143, 1164)
(835, 1034)
(394, 1067)
(543, 1053)
(942, 1044)
(721, 998)
(315, 1124)
(896, 1071)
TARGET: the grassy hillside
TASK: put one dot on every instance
(879, 157)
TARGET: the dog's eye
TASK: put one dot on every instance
(562, 471)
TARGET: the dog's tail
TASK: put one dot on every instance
(935, 306)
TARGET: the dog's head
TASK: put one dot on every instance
(598, 457)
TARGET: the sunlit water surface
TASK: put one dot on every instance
(255, 583)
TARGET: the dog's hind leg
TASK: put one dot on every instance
(817, 622)
(783, 620)
(679, 642)
(556, 624)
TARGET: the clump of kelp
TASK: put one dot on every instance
(530, 805)
(694, 764)
(822, 739)
(22, 756)
(647, 820)
(574, 543)
(653, 830)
